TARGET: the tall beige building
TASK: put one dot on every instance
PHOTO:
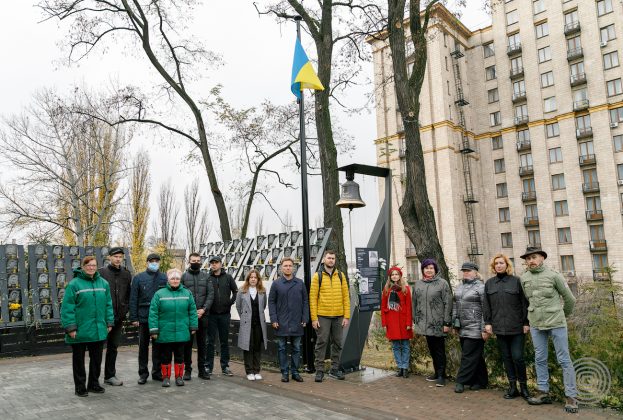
(522, 131)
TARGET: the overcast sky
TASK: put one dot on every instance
(257, 55)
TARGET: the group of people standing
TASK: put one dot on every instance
(505, 305)
(173, 311)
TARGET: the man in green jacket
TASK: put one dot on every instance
(87, 317)
(544, 289)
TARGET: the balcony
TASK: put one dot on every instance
(523, 145)
(580, 105)
(598, 246)
(410, 252)
(521, 120)
(577, 79)
(466, 146)
(590, 187)
(461, 101)
(531, 221)
(519, 96)
(587, 160)
(600, 274)
(516, 72)
(470, 198)
(594, 215)
(572, 27)
(526, 170)
(582, 133)
(528, 196)
(513, 48)
(575, 53)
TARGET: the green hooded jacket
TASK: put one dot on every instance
(544, 289)
(87, 308)
(172, 315)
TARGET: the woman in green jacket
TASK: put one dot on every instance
(87, 317)
(172, 319)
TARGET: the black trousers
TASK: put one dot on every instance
(253, 357)
(169, 351)
(473, 370)
(143, 349)
(112, 343)
(96, 349)
(437, 349)
(218, 323)
(200, 336)
(512, 349)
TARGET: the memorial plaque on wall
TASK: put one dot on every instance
(13, 286)
(370, 286)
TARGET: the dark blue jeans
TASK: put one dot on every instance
(218, 323)
(512, 349)
(295, 357)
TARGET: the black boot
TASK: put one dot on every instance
(405, 373)
(512, 391)
(523, 390)
(399, 372)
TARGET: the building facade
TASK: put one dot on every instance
(522, 131)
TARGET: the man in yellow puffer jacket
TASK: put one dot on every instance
(329, 305)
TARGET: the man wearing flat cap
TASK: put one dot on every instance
(144, 286)
(119, 280)
(547, 314)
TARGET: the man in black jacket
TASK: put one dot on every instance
(144, 286)
(225, 291)
(199, 284)
(119, 280)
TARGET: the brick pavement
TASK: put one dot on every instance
(41, 387)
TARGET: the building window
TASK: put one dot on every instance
(528, 185)
(603, 7)
(446, 57)
(493, 95)
(620, 171)
(547, 79)
(580, 94)
(607, 33)
(488, 49)
(566, 263)
(507, 240)
(496, 142)
(552, 130)
(542, 29)
(512, 17)
(521, 111)
(600, 262)
(561, 208)
(593, 204)
(490, 72)
(583, 122)
(574, 43)
(499, 166)
(519, 87)
(448, 85)
(545, 54)
(555, 155)
(558, 182)
(564, 235)
(616, 115)
(504, 214)
(495, 118)
(514, 40)
(523, 136)
(618, 143)
(525, 160)
(516, 65)
(532, 212)
(614, 87)
(571, 17)
(501, 190)
(597, 232)
(590, 177)
(549, 104)
(587, 148)
(577, 69)
(611, 60)
(534, 238)
(538, 6)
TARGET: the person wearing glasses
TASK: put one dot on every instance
(87, 317)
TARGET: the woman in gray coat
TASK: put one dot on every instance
(467, 319)
(251, 303)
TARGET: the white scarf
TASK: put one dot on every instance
(253, 292)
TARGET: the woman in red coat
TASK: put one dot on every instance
(397, 318)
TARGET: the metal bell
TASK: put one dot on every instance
(350, 197)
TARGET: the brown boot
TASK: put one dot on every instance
(571, 405)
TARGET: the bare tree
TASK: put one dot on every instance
(259, 224)
(196, 217)
(69, 169)
(286, 222)
(140, 188)
(165, 225)
(155, 26)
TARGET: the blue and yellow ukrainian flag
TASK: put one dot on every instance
(303, 74)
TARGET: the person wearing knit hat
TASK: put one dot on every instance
(397, 318)
(432, 316)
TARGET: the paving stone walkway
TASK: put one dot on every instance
(42, 388)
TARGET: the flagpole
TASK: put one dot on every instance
(308, 344)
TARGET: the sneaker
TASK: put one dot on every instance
(297, 378)
(251, 377)
(204, 375)
(441, 381)
(459, 388)
(431, 378)
(179, 381)
(540, 398)
(113, 381)
(166, 382)
(187, 375)
(285, 378)
(258, 377)
(571, 405)
(96, 389)
(82, 393)
(227, 371)
(142, 380)
(337, 374)
(319, 376)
